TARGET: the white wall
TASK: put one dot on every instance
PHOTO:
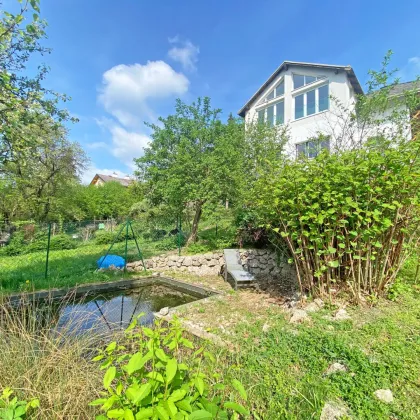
(330, 122)
(302, 129)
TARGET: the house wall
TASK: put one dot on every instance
(329, 122)
(302, 129)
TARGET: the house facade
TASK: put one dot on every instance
(298, 95)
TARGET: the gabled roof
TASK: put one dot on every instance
(400, 88)
(108, 178)
(348, 69)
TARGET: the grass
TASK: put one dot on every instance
(66, 267)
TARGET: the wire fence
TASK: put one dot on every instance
(30, 251)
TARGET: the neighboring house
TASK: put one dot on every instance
(100, 179)
(299, 95)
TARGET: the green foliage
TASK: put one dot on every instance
(170, 242)
(13, 409)
(104, 237)
(162, 377)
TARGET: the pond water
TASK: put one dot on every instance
(106, 311)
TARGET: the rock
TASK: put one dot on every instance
(164, 311)
(312, 307)
(341, 315)
(187, 261)
(333, 410)
(265, 327)
(384, 395)
(155, 274)
(298, 315)
(212, 263)
(319, 302)
(335, 367)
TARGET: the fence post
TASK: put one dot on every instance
(48, 250)
(126, 244)
(179, 235)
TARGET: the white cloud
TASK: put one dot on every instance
(411, 70)
(128, 90)
(184, 52)
(92, 170)
(127, 145)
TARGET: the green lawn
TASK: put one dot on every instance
(66, 268)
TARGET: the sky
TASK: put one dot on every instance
(125, 62)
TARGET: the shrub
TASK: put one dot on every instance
(348, 218)
(12, 408)
(169, 243)
(104, 237)
(162, 377)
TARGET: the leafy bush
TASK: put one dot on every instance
(162, 379)
(104, 237)
(348, 218)
(12, 408)
(169, 243)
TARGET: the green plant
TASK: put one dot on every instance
(12, 408)
(162, 377)
(170, 242)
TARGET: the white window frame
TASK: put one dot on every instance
(318, 78)
(272, 103)
(309, 141)
(304, 92)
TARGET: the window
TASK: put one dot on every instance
(274, 115)
(299, 108)
(323, 98)
(311, 102)
(280, 89)
(313, 147)
(280, 112)
(275, 93)
(300, 80)
(270, 115)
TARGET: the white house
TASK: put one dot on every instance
(298, 94)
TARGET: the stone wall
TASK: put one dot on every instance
(263, 263)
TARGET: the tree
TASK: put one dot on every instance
(40, 183)
(24, 101)
(194, 160)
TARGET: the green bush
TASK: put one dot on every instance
(348, 218)
(104, 237)
(162, 377)
(170, 242)
(13, 409)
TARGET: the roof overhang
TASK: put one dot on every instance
(286, 64)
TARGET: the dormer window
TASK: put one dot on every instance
(300, 80)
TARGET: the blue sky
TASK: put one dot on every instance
(124, 62)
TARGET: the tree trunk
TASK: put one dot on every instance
(196, 221)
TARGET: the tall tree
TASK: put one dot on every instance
(194, 160)
(23, 99)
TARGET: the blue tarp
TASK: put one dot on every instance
(114, 260)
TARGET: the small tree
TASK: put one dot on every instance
(194, 160)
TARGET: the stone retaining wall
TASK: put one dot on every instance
(262, 263)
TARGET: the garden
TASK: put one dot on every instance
(82, 341)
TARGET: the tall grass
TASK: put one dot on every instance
(37, 361)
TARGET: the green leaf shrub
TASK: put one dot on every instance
(348, 218)
(158, 375)
(13, 409)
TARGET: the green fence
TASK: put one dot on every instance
(47, 254)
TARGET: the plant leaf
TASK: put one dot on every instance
(236, 407)
(240, 388)
(109, 376)
(200, 415)
(171, 369)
